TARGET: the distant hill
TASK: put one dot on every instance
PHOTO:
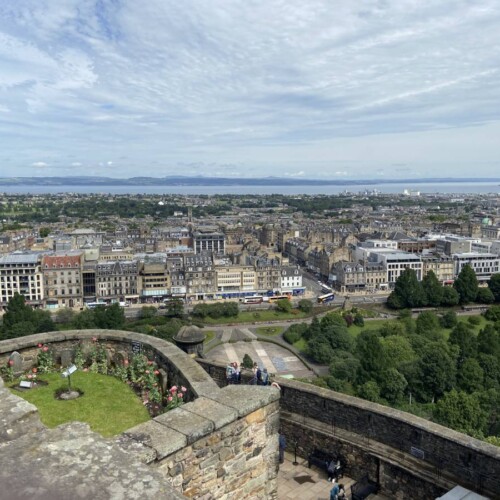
(221, 181)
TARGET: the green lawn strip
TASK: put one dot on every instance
(108, 405)
(269, 330)
(375, 324)
(255, 317)
(210, 334)
(301, 345)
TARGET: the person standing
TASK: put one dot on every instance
(254, 374)
(334, 492)
(282, 446)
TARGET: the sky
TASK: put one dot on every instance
(313, 89)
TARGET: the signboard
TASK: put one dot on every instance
(136, 347)
(25, 383)
(417, 452)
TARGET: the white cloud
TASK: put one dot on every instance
(262, 85)
(39, 164)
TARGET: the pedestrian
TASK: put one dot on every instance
(282, 446)
(334, 492)
(253, 380)
(341, 493)
(237, 373)
(265, 377)
(230, 373)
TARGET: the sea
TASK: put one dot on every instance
(458, 188)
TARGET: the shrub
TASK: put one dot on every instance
(474, 320)
(448, 319)
(359, 320)
(247, 361)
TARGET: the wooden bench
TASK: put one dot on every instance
(322, 458)
(364, 487)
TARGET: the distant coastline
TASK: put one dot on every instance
(173, 181)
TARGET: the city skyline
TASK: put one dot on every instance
(372, 90)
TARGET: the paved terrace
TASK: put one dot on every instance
(298, 482)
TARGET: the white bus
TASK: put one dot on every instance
(254, 299)
(324, 299)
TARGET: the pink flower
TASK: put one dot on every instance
(30, 376)
(156, 372)
(155, 385)
(125, 362)
(11, 362)
(173, 388)
(85, 369)
(45, 348)
(147, 372)
(150, 363)
(34, 369)
(94, 339)
(180, 395)
(39, 345)
(183, 389)
(169, 399)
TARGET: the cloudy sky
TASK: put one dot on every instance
(349, 89)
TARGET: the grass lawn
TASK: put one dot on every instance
(256, 316)
(108, 405)
(210, 334)
(269, 330)
(300, 345)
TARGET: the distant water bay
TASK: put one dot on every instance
(449, 188)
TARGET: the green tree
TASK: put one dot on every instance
(466, 285)
(449, 319)
(433, 289)
(436, 371)
(470, 376)
(85, 320)
(306, 306)
(462, 412)
(44, 232)
(491, 369)
(408, 291)
(494, 286)
(370, 352)
(334, 330)
(19, 329)
(175, 308)
(463, 337)
(392, 385)
(428, 325)
(65, 315)
(314, 329)
(284, 305)
(398, 351)
(450, 297)
(18, 311)
(488, 341)
(485, 296)
(247, 361)
(43, 321)
(359, 320)
(369, 391)
(320, 350)
(147, 312)
(344, 366)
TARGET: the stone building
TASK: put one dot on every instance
(442, 266)
(62, 277)
(117, 281)
(154, 279)
(351, 277)
(199, 275)
(208, 240)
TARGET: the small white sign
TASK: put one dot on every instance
(25, 383)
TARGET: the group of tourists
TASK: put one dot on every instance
(260, 376)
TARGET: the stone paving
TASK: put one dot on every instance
(298, 482)
(271, 356)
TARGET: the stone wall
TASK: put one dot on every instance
(409, 456)
(221, 444)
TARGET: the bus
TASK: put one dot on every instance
(324, 299)
(275, 298)
(254, 299)
(93, 305)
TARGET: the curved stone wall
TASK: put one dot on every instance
(222, 443)
(409, 456)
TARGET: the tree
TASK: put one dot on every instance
(428, 325)
(462, 412)
(463, 337)
(494, 286)
(449, 319)
(371, 354)
(435, 371)
(85, 320)
(306, 306)
(320, 350)
(488, 341)
(314, 329)
(344, 366)
(470, 376)
(43, 321)
(17, 311)
(485, 296)
(493, 313)
(147, 312)
(44, 232)
(284, 305)
(392, 385)
(398, 351)
(174, 308)
(450, 297)
(408, 291)
(466, 285)
(369, 391)
(359, 320)
(334, 330)
(433, 289)
(247, 361)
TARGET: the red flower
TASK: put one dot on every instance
(94, 339)
(156, 372)
(150, 363)
(180, 395)
(169, 399)
(34, 369)
(45, 348)
(11, 362)
(40, 345)
(173, 388)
